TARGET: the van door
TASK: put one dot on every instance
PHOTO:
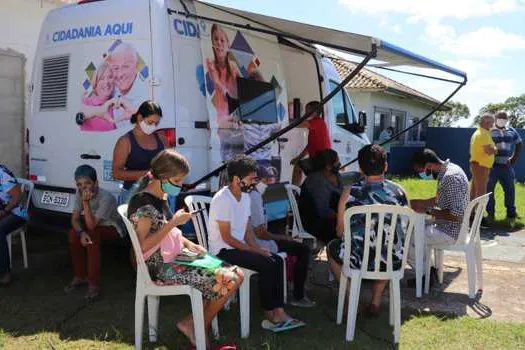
(193, 129)
(88, 66)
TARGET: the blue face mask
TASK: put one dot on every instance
(426, 175)
(171, 189)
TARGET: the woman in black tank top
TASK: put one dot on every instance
(135, 150)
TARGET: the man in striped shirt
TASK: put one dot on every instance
(508, 143)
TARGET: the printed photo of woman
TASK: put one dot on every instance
(97, 107)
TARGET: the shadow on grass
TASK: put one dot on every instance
(36, 304)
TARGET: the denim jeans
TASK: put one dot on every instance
(504, 174)
(8, 224)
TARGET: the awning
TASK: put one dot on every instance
(389, 54)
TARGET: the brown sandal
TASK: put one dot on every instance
(92, 293)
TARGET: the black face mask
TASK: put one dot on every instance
(335, 168)
(246, 188)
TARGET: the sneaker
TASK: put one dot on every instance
(304, 302)
(488, 221)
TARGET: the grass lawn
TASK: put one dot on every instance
(417, 189)
(35, 313)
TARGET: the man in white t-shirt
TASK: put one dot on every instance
(231, 239)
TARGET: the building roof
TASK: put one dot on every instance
(367, 80)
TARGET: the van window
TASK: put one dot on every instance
(55, 76)
(342, 107)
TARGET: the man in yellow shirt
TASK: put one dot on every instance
(482, 151)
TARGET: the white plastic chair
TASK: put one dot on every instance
(297, 230)
(468, 242)
(146, 287)
(379, 212)
(27, 187)
(201, 224)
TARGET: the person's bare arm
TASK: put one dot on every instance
(95, 111)
(120, 155)
(421, 205)
(444, 214)
(300, 156)
(225, 230)
(90, 219)
(143, 226)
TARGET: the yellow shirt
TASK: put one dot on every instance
(480, 138)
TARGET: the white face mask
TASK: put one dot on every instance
(148, 129)
(261, 187)
(501, 123)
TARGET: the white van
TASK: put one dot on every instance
(163, 50)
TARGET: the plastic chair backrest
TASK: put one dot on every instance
(201, 219)
(293, 192)
(469, 232)
(141, 264)
(27, 188)
(400, 215)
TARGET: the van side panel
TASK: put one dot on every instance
(93, 65)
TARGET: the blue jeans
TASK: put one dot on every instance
(504, 174)
(8, 224)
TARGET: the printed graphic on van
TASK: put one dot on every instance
(244, 96)
(113, 89)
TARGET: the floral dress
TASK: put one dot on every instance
(212, 283)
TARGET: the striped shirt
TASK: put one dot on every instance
(505, 140)
(452, 194)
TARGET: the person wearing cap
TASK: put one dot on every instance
(482, 150)
(278, 242)
(94, 219)
(12, 217)
(508, 143)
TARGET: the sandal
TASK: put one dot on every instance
(75, 285)
(92, 293)
(372, 310)
(282, 326)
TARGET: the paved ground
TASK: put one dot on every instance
(504, 281)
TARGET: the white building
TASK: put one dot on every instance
(388, 103)
(20, 27)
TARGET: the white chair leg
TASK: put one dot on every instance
(353, 303)
(471, 270)
(24, 247)
(244, 305)
(343, 282)
(427, 268)
(397, 309)
(153, 317)
(285, 287)
(9, 249)
(198, 319)
(215, 327)
(439, 256)
(479, 265)
(391, 303)
(139, 319)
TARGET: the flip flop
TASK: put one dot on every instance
(75, 285)
(282, 326)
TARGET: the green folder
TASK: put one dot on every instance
(207, 262)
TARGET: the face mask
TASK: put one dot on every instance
(246, 188)
(171, 189)
(425, 176)
(261, 187)
(148, 129)
(501, 123)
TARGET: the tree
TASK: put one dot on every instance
(514, 106)
(456, 112)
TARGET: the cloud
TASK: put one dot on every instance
(435, 9)
(396, 28)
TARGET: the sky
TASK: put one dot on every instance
(484, 38)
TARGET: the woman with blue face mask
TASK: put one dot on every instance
(162, 242)
(135, 150)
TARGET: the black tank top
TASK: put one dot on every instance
(140, 158)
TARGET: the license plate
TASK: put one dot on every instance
(55, 198)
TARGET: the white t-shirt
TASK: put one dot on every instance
(225, 207)
(258, 218)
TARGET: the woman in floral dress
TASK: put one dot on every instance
(161, 241)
